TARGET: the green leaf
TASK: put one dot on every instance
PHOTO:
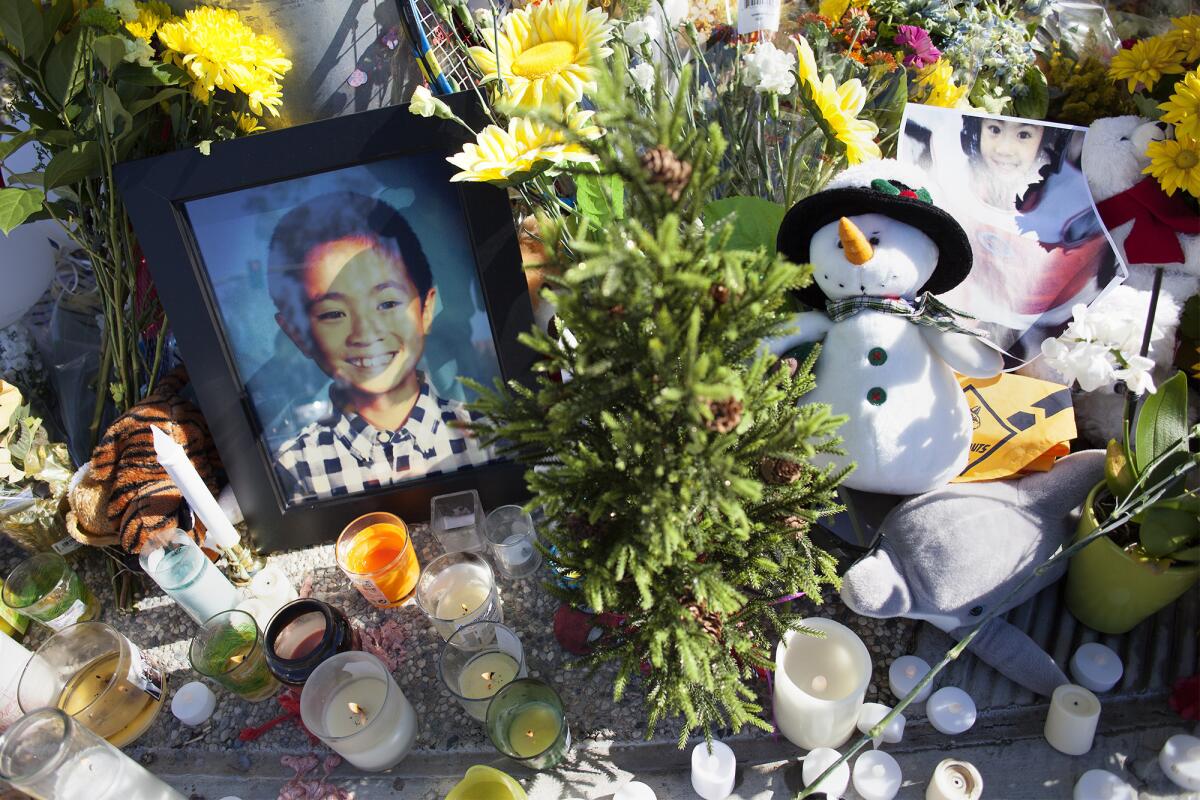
(755, 224)
(10, 145)
(158, 75)
(138, 106)
(65, 66)
(109, 50)
(1165, 530)
(1161, 423)
(1035, 102)
(117, 121)
(58, 14)
(1146, 106)
(17, 204)
(73, 165)
(21, 24)
(1187, 554)
(58, 138)
(1117, 474)
(601, 198)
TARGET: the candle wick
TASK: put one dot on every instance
(487, 676)
(529, 733)
(464, 607)
(954, 708)
(910, 671)
(358, 714)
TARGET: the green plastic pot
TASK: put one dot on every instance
(1111, 591)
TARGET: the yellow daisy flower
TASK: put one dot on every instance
(527, 148)
(545, 55)
(1146, 62)
(247, 123)
(150, 16)
(806, 61)
(1185, 35)
(936, 83)
(1183, 109)
(1176, 165)
(839, 107)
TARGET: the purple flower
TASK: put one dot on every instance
(917, 39)
(357, 78)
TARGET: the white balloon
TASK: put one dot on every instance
(26, 267)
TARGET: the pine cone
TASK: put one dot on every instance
(711, 623)
(726, 415)
(719, 293)
(790, 364)
(779, 471)
(799, 525)
(666, 168)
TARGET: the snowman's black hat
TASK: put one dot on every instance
(882, 196)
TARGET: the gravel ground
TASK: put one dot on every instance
(162, 629)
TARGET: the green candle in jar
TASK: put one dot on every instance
(228, 649)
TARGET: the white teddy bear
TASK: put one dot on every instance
(1113, 159)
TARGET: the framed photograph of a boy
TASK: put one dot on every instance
(328, 288)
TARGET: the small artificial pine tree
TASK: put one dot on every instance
(672, 458)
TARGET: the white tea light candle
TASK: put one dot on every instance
(271, 587)
(872, 714)
(1071, 720)
(954, 780)
(905, 673)
(820, 684)
(951, 710)
(1099, 784)
(877, 776)
(713, 772)
(1096, 667)
(635, 790)
(193, 703)
(1180, 760)
(819, 760)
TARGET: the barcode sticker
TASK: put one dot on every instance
(66, 545)
(758, 15)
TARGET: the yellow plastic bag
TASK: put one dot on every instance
(1020, 425)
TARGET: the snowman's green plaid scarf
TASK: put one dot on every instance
(927, 311)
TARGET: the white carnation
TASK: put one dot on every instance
(641, 31)
(769, 69)
(643, 76)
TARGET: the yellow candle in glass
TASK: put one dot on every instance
(533, 729)
(484, 675)
(461, 599)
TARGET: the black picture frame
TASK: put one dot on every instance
(155, 191)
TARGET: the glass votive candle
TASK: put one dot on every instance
(229, 649)
(50, 756)
(457, 521)
(457, 589)
(477, 661)
(513, 542)
(352, 704)
(527, 723)
(45, 588)
(376, 553)
(180, 568)
(304, 633)
(97, 676)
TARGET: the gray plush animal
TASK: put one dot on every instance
(948, 556)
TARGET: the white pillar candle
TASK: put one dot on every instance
(904, 673)
(1071, 720)
(1096, 667)
(954, 780)
(819, 760)
(355, 707)
(820, 684)
(1180, 760)
(193, 703)
(179, 468)
(713, 773)
(256, 608)
(1099, 784)
(872, 714)
(635, 790)
(271, 586)
(877, 776)
(950, 710)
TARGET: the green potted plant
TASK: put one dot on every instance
(1121, 579)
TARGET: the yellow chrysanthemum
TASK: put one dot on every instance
(806, 61)
(1185, 35)
(151, 16)
(247, 123)
(936, 86)
(219, 51)
(526, 148)
(545, 55)
(1183, 109)
(1175, 163)
(1146, 62)
(840, 106)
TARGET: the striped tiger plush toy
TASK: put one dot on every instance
(142, 499)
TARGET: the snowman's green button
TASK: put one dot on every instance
(876, 396)
(876, 356)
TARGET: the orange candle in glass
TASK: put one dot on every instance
(377, 555)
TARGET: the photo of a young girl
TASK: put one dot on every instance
(1016, 187)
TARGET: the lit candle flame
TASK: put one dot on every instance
(235, 660)
(529, 733)
(487, 676)
(464, 607)
(357, 712)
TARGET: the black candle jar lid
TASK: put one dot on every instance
(304, 633)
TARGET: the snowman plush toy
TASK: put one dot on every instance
(880, 248)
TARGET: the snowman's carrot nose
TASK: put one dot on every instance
(858, 250)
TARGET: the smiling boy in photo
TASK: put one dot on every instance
(354, 292)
